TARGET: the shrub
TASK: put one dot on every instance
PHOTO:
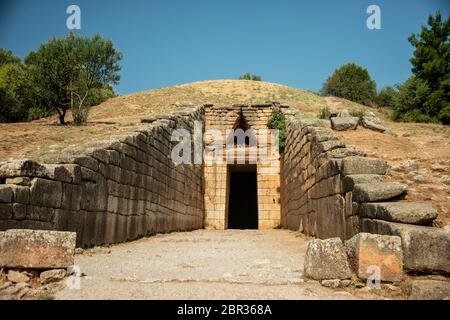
(386, 97)
(249, 76)
(351, 82)
(408, 104)
(278, 121)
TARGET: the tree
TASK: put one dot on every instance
(431, 63)
(67, 70)
(16, 90)
(7, 57)
(249, 76)
(409, 101)
(386, 97)
(351, 82)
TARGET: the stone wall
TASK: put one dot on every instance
(126, 190)
(330, 190)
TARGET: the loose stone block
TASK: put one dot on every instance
(429, 290)
(425, 249)
(365, 250)
(326, 259)
(36, 249)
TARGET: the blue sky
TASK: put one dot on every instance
(168, 42)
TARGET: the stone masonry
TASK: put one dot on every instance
(127, 190)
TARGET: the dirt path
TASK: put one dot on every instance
(204, 264)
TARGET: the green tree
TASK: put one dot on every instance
(249, 76)
(7, 57)
(351, 82)
(409, 101)
(431, 63)
(386, 97)
(16, 90)
(68, 70)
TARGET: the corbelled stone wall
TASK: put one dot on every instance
(223, 118)
(121, 192)
(330, 190)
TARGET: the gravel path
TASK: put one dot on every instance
(203, 264)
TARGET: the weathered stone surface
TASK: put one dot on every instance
(6, 211)
(46, 193)
(429, 290)
(17, 277)
(20, 181)
(335, 283)
(64, 172)
(52, 276)
(25, 168)
(420, 213)
(326, 259)
(365, 250)
(349, 182)
(344, 123)
(369, 192)
(370, 121)
(362, 165)
(21, 194)
(6, 193)
(425, 249)
(36, 249)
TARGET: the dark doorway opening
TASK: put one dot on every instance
(243, 198)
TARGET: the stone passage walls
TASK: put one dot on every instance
(330, 190)
(217, 175)
(117, 193)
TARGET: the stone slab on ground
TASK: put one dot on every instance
(327, 259)
(36, 249)
(366, 250)
(425, 249)
(429, 290)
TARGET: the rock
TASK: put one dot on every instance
(425, 249)
(350, 181)
(17, 277)
(362, 165)
(365, 250)
(429, 290)
(344, 123)
(370, 121)
(419, 178)
(392, 288)
(411, 165)
(421, 213)
(331, 283)
(336, 283)
(369, 192)
(438, 167)
(22, 168)
(326, 259)
(52, 276)
(20, 181)
(36, 249)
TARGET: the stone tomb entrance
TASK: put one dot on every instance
(241, 194)
(242, 197)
